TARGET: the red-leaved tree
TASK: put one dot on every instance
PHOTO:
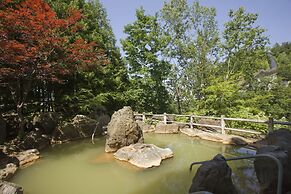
(34, 45)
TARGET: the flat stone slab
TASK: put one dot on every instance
(167, 128)
(28, 157)
(143, 155)
(217, 137)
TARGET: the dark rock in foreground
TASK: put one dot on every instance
(278, 144)
(213, 176)
(122, 130)
(143, 155)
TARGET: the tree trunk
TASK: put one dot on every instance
(21, 122)
(178, 101)
(19, 94)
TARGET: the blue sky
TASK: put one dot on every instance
(274, 15)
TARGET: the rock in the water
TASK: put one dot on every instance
(10, 188)
(3, 132)
(27, 157)
(167, 128)
(46, 122)
(80, 127)
(217, 137)
(122, 130)
(143, 155)
(213, 176)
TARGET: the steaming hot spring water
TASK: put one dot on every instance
(82, 167)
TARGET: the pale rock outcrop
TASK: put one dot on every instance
(27, 157)
(143, 155)
(216, 137)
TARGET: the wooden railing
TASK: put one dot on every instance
(166, 119)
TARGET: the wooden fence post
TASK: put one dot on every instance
(271, 124)
(191, 121)
(143, 117)
(222, 122)
(165, 118)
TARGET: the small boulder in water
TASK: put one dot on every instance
(143, 155)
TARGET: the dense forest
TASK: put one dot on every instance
(61, 56)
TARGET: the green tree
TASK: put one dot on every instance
(99, 87)
(147, 68)
(244, 45)
(192, 49)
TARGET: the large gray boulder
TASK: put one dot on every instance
(167, 128)
(80, 127)
(122, 130)
(213, 176)
(143, 155)
(3, 132)
(10, 188)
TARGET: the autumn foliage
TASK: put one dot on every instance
(35, 45)
(32, 45)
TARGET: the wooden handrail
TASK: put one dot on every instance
(164, 118)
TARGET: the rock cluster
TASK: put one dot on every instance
(9, 163)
